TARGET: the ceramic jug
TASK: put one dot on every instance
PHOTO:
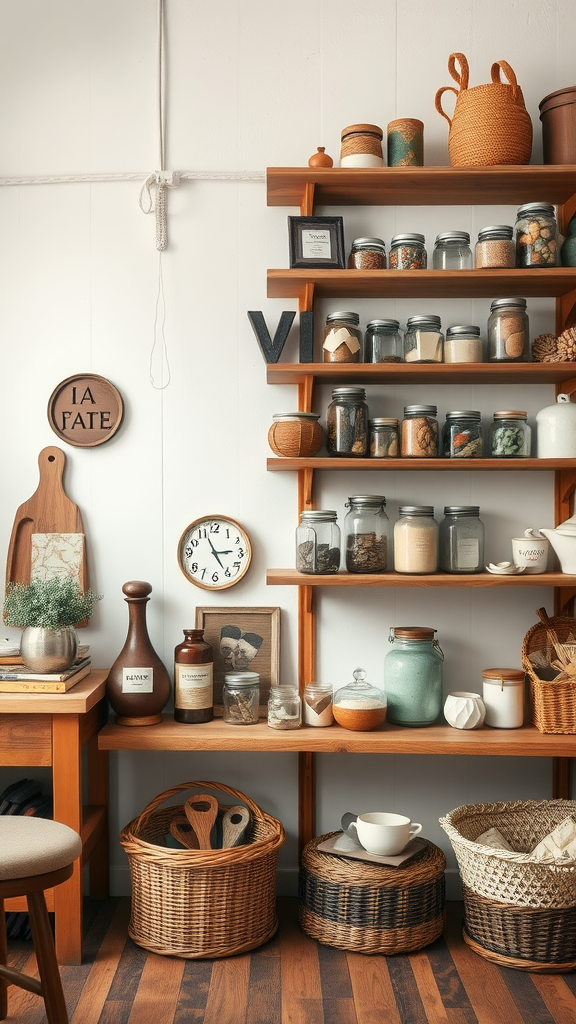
(563, 540)
(556, 430)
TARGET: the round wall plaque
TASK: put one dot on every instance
(85, 410)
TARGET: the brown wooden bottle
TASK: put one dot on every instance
(193, 679)
(138, 685)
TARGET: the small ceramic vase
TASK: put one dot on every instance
(320, 159)
(48, 650)
(464, 710)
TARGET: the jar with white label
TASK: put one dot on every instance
(241, 698)
(423, 341)
(461, 539)
(503, 697)
(193, 675)
(342, 338)
(317, 704)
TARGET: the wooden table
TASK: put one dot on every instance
(50, 730)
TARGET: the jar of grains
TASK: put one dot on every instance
(416, 540)
(361, 146)
(383, 342)
(452, 251)
(241, 698)
(419, 432)
(347, 423)
(317, 704)
(367, 530)
(495, 247)
(383, 437)
(510, 435)
(318, 542)
(408, 252)
(536, 233)
(462, 435)
(342, 338)
(367, 254)
(461, 539)
(508, 331)
(463, 345)
(284, 708)
(423, 340)
(413, 676)
(359, 706)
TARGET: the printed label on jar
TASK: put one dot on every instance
(193, 686)
(316, 245)
(137, 680)
(468, 553)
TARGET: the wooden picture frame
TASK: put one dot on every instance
(316, 242)
(226, 629)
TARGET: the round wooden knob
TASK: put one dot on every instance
(137, 588)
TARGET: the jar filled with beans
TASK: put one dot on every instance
(495, 247)
(419, 432)
(508, 331)
(408, 252)
(367, 254)
(536, 236)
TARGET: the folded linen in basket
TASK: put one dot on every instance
(492, 837)
(560, 844)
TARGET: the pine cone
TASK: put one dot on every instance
(544, 349)
(567, 345)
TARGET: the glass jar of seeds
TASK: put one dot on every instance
(383, 342)
(495, 247)
(423, 340)
(367, 531)
(508, 331)
(462, 435)
(419, 432)
(241, 698)
(342, 338)
(318, 542)
(284, 708)
(452, 251)
(383, 437)
(317, 704)
(463, 345)
(510, 435)
(367, 254)
(408, 252)
(461, 539)
(536, 233)
(347, 423)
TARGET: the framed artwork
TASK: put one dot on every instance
(316, 242)
(243, 640)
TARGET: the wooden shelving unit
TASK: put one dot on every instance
(290, 577)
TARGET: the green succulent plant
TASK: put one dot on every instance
(48, 604)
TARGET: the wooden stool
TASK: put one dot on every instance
(35, 854)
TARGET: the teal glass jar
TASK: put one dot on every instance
(413, 676)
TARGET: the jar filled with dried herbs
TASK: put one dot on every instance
(536, 233)
(383, 437)
(318, 542)
(383, 342)
(461, 539)
(241, 698)
(462, 435)
(510, 435)
(423, 341)
(342, 338)
(508, 331)
(419, 432)
(416, 540)
(367, 531)
(408, 252)
(367, 254)
(347, 423)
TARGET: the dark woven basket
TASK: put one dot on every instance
(372, 908)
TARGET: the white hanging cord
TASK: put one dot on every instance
(66, 179)
(159, 349)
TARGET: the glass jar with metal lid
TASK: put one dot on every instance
(536, 234)
(510, 435)
(413, 676)
(463, 344)
(318, 542)
(462, 435)
(495, 247)
(342, 338)
(284, 708)
(423, 340)
(383, 437)
(461, 539)
(241, 698)
(347, 423)
(416, 540)
(367, 530)
(317, 704)
(452, 251)
(367, 254)
(508, 331)
(408, 252)
(383, 342)
(419, 432)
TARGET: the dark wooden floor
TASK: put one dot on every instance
(292, 980)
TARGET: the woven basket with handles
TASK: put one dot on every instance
(553, 703)
(490, 124)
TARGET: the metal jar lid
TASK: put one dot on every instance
(366, 500)
(296, 416)
(426, 320)
(242, 678)
(349, 392)
(458, 237)
(409, 239)
(462, 510)
(369, 243)
(416, 510)
(383, 421)
(511, 414)
(385, 325)
(502, 303)
(532, 209)
(347, 315)
(495, 231)
(420, 410)
(463, 414)
(318, 515)
(458, 331)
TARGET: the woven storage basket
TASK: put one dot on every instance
(294, 438)
(201, 903)
(371, 908)
(553, 704)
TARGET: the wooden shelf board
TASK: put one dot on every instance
(421, 373)
(290, 577)
(279, 465)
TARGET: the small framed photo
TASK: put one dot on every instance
(243, 640)
(316, 242)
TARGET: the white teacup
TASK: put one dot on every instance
(530, 552)
(383, 833)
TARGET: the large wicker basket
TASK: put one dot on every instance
(553, 703)
(201, 903)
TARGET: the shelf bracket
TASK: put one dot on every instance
(307, 200)
(565, 213)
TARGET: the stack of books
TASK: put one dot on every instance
(23, 797)
(16, 678)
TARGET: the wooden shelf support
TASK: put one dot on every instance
(307, 200)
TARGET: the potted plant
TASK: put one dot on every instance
(48, 610)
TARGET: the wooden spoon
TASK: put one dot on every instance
(201, 812)
(182, 830)
(235, 821)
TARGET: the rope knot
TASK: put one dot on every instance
(159, 181)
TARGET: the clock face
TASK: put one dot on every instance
(214, 552)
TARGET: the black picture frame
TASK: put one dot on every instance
(329, 247)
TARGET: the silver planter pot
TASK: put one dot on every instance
(48, 650)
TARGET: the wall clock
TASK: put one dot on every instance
(214, 552)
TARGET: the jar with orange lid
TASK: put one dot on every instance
(413, 676)
(361, 146)
(503, 697)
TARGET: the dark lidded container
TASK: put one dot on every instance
(193, 679)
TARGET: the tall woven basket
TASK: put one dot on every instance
(201, 903)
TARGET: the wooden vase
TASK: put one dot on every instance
(138, 685)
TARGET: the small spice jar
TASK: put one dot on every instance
(347, 423)
(361, 146)
(413, 676)
(462, 435)
(383, 342)
(383, 437)
(510, 435)
(416, 540)
(367, 254)
(536, 233)
(318, 542)
(359, 706)
(423, 340)
(317, 704)
(452, 251)
(367, 530)
(495, 247)
(508, 331)
(463, 344)
(503, 697)
(408, 252)
(284, 708)
(461, 539)
(342, 338)
(419, 432)
(241, 698)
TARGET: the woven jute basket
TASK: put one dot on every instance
(296, 436)
(201, 903)
(553, 703)
(490, 124)
(371, 908)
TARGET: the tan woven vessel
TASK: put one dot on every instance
(553, 703)
(201, 903)
(295, 436)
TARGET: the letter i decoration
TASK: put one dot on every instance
(138, 685)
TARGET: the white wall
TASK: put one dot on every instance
(251, 83)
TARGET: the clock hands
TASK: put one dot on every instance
(216, 553)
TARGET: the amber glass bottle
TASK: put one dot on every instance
(193, 688)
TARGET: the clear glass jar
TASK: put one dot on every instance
(367, 254)
(317, 704)
(284, 708)
(347, 423)
(342, 338)
(495, 247)
(462, 539)
(416, 540)
(408, 252)
(510, 435)
(413, 676)
(383, 437)
(462, 435)
(359, 706)
(361, 146)
(463, 344)
(383, 342)
(508, 331)
(536, 233)
(367, 530)
(318, 542)
(452, 251)
(241, 698)
(419, 432)
(423, 340)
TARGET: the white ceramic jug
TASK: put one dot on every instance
(563, 540)
(556, 430)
